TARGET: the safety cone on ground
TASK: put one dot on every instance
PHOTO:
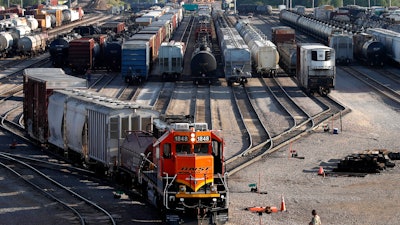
(321, 171)
(283, 206)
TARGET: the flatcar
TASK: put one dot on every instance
(180, 172)
(236, 54)
(316, 68)
(264, 53)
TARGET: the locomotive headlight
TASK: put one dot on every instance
(182, 188)
(193, 137)
(213, 188)
(223, 197)
(214, 199)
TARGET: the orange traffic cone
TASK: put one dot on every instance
(321, 171)
(283, 206)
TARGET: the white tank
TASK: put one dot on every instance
(6, 41)
(20, 21)
(32, 22)
(22, 30)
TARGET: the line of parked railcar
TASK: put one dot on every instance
(236, 54)
(264, 53)
(313, 64)
(131, 143)
(102, 50)
(333, 37)
(390, 40)
(365, 48)
(140, 52)
(21, 34)
(203, 63)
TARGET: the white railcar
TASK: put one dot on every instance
(390, 39)
(236, 54)
(264, 53)
(316, 68)
(93, 126)
(170, 59)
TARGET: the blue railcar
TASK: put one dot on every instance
(135, 61)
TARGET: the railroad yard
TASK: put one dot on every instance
(279, 139)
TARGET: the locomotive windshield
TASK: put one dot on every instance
(183, 148)
(201, 148)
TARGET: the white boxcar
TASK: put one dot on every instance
(390, 39)
(316, 68)
(94, 126)
(170, 59)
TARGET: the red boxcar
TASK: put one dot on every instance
(82, 54)
(39, 84)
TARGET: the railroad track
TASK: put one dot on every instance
(86, 211)
(182, 100)
(302, 124)
(202, 105)
(380, 88)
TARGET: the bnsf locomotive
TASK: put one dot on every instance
(180, 171)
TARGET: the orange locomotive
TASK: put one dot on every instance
(180, 171)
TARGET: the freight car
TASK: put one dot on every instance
(85, 125)
(236, 54)
(177, 167)
(170, 60)
(112, 54)
(141, 50)
(135, 61)
(31, 45)
(369, 50)
(180, 172)
(285, 40)
(59, 48)
(264, 53)
(316, 70)
(203, 64)
(333, 37)
(8, 43)
(390, 39)
(245, 9)
(82, 54)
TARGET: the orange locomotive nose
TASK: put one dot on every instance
(194, 171)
